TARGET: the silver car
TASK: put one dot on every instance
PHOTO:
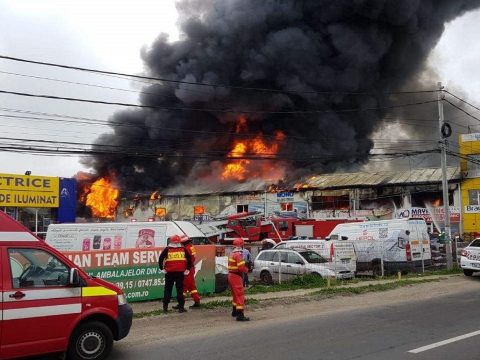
(284, 264)
(470, 258)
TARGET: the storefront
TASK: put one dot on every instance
(37, 201)
(470, 148)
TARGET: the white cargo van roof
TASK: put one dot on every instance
(189, 229)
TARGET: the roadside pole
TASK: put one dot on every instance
(446, 205)
(279, 267)
(381, 259)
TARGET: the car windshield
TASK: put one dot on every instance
(312, 257)
(475, 243)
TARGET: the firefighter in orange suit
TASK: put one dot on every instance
(176, 262)
(236, 269)
(189, 280)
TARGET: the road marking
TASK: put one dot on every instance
(444, 342)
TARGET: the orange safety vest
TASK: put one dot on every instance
(236, 264)
(176, 260)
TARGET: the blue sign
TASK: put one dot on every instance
(67, 209)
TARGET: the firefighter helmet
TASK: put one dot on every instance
(175, 239)
(238, 242)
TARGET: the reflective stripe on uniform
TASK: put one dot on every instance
(240, 263)
(97, 291)
(193, 291)
(38, 311)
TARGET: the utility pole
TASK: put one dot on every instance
(446, 208)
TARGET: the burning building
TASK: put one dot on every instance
(267, 92)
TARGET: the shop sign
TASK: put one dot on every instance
(472, 209)
(285, 196)
(430, 214)
(470, 137)
(29, 191)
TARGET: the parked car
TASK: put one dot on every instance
(470, 258)
(284, 264)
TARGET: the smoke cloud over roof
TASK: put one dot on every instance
(320, 53)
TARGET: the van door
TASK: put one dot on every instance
(295, 265)
(416, 241)
(38, 300)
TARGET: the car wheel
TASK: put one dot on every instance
(468, 272)
(92, 340)
(266, 278)
(316, 275)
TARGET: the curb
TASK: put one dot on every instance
(149, 306)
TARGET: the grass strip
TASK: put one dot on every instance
(335, 291)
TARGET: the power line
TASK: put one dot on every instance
(462, 100)
(204, 84)
(214, 110)
(462, 110)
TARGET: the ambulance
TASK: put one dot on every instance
(49, 305)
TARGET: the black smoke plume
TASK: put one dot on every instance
(320, 53)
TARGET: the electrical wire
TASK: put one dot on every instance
(171, 108)
(200, 83)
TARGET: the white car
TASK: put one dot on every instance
(470, 258)
(284, 264)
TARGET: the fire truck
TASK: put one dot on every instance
(251, 226)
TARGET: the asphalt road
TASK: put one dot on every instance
(391, 332)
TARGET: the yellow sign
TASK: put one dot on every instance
(29, 191)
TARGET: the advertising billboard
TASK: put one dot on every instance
(29, 191)
(126, 254)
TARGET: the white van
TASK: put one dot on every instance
(116, 236)
(402, 244)
(338, 252)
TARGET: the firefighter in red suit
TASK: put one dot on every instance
(189, 280)
(236, 269)
(175, 261)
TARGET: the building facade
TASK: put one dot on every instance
(469, 146)
(367, 196)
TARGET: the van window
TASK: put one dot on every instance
(266, 255)
(313, 258)
(283, 256)
(475, 243)
(34, 268)
(294, 258)
(281, 246)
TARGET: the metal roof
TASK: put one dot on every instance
(326, 181)
(414, 176)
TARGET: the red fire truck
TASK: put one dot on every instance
(252, 226)
(49, 305)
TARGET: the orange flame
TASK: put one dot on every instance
(240, 169)
(101, 197)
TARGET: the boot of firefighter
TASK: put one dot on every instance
(241, 316)
(234, 311)
(195, 305)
